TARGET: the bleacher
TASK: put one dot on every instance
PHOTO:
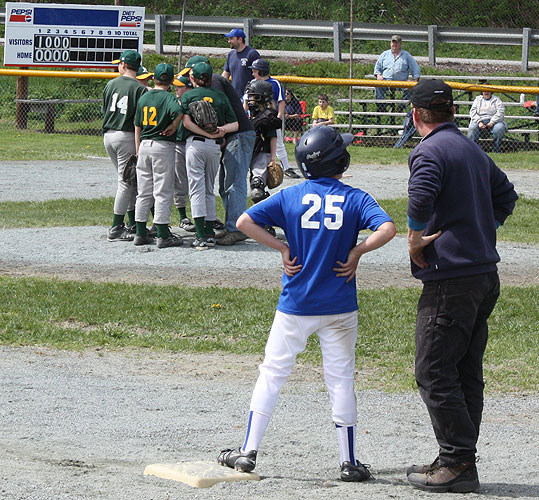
(380, 122)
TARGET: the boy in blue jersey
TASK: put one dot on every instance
(321, 219)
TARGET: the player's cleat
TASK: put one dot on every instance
(153, 231)
(187, 225)
(355, 473)
(423, 469)
(231, 238)
(236, 459)
(119, 233)
(210, 241)
(173, 240)
(132, 228)
(290, 172)
(218, 225)
(143, 240)
(199, 244)
(258, 189)
(457, 478)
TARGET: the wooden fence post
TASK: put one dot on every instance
(21, 110)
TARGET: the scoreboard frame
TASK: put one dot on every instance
(70, 35)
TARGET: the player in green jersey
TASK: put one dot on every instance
(120, 99)
(203, 150)
(156, 110)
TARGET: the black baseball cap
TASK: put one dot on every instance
(424, 92)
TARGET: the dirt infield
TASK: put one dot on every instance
(85, 425)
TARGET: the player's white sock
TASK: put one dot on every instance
(346, 436)
(255, 430)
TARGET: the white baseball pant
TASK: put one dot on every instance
(287, 338)
(280, 151)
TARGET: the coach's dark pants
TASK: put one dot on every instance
(451, 336)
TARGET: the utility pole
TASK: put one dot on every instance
(350, 107)
(180, 56)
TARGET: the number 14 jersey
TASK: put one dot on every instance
(120, 99)
(321, 219)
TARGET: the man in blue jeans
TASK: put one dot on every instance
(457, 199)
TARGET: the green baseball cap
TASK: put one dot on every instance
(181, 81)
(164, 73)
(143, 73)
(201, 68)
(131, 57)
(191, 62)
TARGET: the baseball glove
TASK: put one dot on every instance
(204, 115)
(275, 175)
(130, 171)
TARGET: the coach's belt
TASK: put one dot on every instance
(207, 139)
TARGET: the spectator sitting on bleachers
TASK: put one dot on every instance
(487, 114)
(323, 113)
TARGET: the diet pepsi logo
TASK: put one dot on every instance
(128, 20)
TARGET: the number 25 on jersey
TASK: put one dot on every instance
(333, 214)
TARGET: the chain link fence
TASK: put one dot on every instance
(73, 106)
(51, 105)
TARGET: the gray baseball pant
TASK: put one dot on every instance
(181, 183)
(155, 180)
(120, 146)
(202, 160)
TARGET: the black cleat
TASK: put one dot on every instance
(290, 172)
(355, 473)
(238, 460)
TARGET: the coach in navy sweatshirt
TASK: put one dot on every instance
(457, 199)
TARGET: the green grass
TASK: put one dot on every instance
(80, 315)
(69, 213)
(31, 146)
(520, 227)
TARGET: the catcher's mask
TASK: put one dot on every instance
(258, 92)
(321, 152)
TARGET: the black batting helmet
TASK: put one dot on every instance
(321, 152)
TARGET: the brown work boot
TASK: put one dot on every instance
(231, 238)
(457, 478)
(423, 469)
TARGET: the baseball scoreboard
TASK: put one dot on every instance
(70, 36)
